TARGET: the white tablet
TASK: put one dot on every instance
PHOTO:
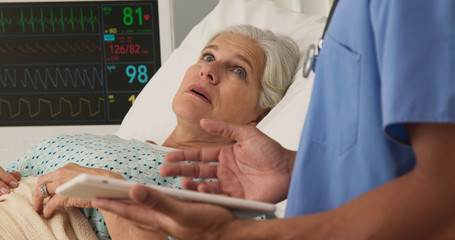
(88, 187)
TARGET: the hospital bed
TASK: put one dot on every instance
(151, 117)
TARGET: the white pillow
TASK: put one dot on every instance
(151, 116)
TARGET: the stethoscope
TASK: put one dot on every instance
(312, 53)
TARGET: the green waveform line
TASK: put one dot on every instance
(3, 21)
(53, 114)
(55, 19)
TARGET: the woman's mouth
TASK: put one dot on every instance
(200, 92)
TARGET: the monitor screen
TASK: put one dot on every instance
(75, 63)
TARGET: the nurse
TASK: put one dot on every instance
(376, 157)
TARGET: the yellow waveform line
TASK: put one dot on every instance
(61, 100)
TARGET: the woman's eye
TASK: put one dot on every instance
(208, 58)
(240, 72)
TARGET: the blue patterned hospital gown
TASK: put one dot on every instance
(136, 161)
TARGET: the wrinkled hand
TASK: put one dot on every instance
(57, 178)
(153, 211)
(255, 168)
(8, 181)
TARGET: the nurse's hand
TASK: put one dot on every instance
(255, 168)
(154, 212)
(8, 181)
(57, 178)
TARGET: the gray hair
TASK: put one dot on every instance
(282, 56)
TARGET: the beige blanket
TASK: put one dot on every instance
(18, 219)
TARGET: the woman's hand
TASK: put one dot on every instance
(255, 168)
(8, 180)
(59, 177)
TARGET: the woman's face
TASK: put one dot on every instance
(224, 84)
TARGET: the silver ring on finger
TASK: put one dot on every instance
(43, 190)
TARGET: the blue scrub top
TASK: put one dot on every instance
(383, 63)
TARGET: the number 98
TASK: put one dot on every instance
(141, 73)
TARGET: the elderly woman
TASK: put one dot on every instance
(240, 75)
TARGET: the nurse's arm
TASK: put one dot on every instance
(418, 205)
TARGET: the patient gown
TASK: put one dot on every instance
(136, 161)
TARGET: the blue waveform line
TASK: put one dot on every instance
(65, 77)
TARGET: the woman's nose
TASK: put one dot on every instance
(210, 72)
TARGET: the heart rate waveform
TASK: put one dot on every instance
(51, 108)
(49, 19)
(74, 49)
(51, 78)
